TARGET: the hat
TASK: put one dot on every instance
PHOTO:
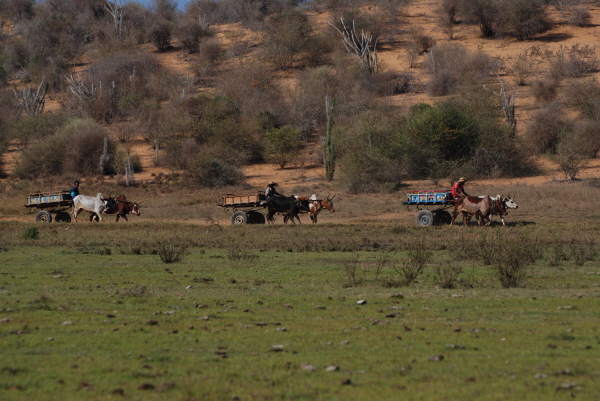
(272, 183)
(462, 179)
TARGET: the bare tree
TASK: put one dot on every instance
(360, 49)
(508, 107)
(115, 8)
(328, 145)
(32, 102)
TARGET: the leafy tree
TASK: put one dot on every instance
(282, 145)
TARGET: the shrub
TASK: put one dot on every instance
(515, 254)
(451, 65)
(160, 36)
(287, 35)
(75, 148)
(282, 145)
(190, 34)
(29, 130)
(412, 268)
(523, 19)
(448, 275)
(519, 69)
(544, 90)
(571, 154)
(367, 170)
(171, 250)
(31, 233)
(543, 131)
(579, 16)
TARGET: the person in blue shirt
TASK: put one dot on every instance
(75, 190)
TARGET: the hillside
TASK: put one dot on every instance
(418, 16)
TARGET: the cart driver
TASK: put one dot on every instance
(458, 188)
(271, 192)
(75, 190)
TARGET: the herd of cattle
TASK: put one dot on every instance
(482, 207)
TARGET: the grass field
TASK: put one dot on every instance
(89, 311)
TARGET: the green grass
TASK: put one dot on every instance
(134, 322)
(260, 312)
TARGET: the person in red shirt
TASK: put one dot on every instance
(458, 188)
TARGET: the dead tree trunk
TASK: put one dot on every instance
(328, 146)
(116, 10)
(105, 157)
(508, 106)
(360, 49)
(129, 172)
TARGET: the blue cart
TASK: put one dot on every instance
(49, 203)
(436, 201)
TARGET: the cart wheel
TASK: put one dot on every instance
(239, 217)
(442, 217)
(62, 217)
(43, 217)
(424, 218)
(256, 218)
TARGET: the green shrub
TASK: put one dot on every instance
(282, 145)
(31, 233)
(74, 149)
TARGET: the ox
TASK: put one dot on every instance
(286, 205)
(316, 205)
(483, 207)
(472, 205)
(89, 204)
(507, 202)
(121, 207)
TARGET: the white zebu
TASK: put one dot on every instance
(92, 204)
(509, 203)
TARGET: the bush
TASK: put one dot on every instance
(31, 233)
(515, 254)
(412, 268)
(544, 90)
(74, 149)
(171, 250)
(571, 154)
(282, 145)
(287, 35)
(160, 36)
(579, 16)
(367, 170)
(520, 69)
(451, 65)
(545, 126)
(190, 34)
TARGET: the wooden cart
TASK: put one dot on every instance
(438, 200)
(49, 203)
(245, 207)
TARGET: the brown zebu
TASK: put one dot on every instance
(121, 207)
(316, 205)
(472, 205)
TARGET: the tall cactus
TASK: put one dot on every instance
(328, 146)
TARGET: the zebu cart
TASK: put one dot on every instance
(245, 208)
(49, 203)
(435, 202)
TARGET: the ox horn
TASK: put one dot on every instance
(138, 202)
(333, 196)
